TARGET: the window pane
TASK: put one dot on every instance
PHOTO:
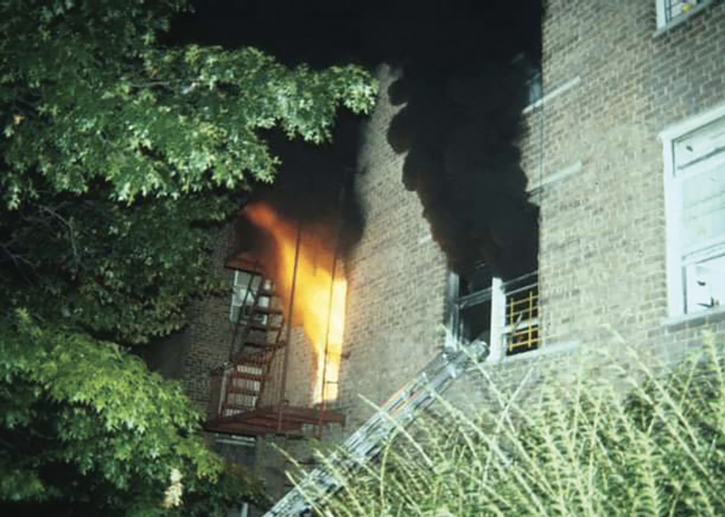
(476, 322)
(705, 284)
(703, 209)
(243, 290)
(675, 8)
(701, 145)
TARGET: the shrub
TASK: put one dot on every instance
(582, 448)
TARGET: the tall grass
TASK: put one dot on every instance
(581, 448)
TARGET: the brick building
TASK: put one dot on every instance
(625, 157)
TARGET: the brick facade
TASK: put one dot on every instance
(603, 232)
(209, 333)
(397, 277)
(612, 83)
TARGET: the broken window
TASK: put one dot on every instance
(503, 314)
(695, 185)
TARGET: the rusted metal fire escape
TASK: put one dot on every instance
(248, 391)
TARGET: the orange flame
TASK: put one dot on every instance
(319, 299)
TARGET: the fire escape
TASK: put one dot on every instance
(248, 392)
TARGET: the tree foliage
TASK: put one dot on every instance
(120, 154)
(85, 426)
(117, 148)
(88, 93)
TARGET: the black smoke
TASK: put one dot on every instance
(465, 67)
(465, 81)
(460, 130)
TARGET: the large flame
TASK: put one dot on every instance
(319, 299)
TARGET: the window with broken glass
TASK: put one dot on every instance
(502, 314)
(696, 218)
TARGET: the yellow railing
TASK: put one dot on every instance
(521, 330)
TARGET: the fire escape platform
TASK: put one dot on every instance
(245, 261)
(262, 421)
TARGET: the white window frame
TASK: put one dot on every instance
(664, 23)
(496, 295)
(673, 213)
(239, 293)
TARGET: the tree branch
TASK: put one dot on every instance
(71, 230)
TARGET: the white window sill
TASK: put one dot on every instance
(681, 18)
(694, 316)
(546, 350)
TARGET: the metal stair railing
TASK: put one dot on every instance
(365, 443)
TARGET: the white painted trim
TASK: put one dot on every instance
(693, 316)
(675, 131)
(660, 15)
(556, 176)
(553, 95)
(544, 351)
(675, 293)
(554, 348)
(673, 204)
(498, 315)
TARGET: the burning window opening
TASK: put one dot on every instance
(503, 314)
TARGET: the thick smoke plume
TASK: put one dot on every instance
(460, 131)
(462, 90)
(465, 78)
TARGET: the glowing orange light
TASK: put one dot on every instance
(322, 318)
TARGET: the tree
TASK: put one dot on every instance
(120, 152)
(85, 428)
(95, 111)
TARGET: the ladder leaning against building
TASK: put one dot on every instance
(365, 443)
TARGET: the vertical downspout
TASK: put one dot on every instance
(288, 334)
(327, 344)
(336, 253)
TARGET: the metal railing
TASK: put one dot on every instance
(675, 8)
(520, 332)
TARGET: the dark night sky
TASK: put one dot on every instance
(324, 32)
(459, 126)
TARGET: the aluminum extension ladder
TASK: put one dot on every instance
(364, 444)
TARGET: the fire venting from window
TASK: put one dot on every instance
(310, 279)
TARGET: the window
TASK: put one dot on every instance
(670, 11)
(521, 329)
(695, 204)
(244, 288)
(536, 87)
(503, 314)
